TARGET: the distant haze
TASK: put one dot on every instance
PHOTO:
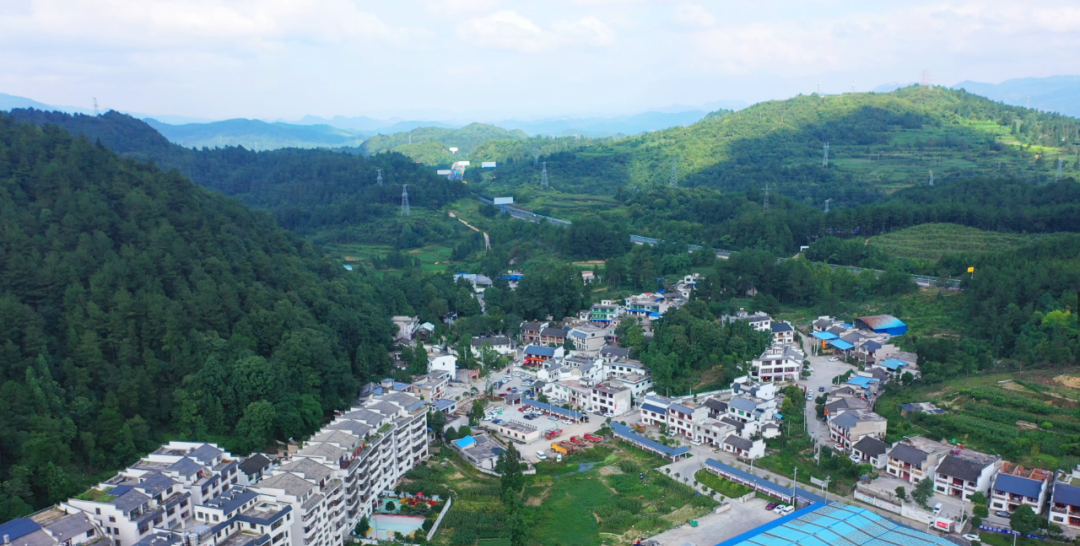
(457, 61)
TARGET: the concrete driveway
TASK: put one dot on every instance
(715, 528)
(823, 377)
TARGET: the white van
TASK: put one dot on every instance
(541, 455)
(937, 508)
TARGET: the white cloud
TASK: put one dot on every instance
(458, 7)
(693, 15)
(507, 29)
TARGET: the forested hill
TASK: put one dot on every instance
(136, 304)
(878, 142)
(464, 139)
(257, 135)
(306, 190)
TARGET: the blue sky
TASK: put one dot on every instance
(497, 59)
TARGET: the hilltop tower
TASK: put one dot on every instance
(405, 200)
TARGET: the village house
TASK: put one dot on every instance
(588, 338)
(1016, 486)
(499, 344)
(964, 472)
(1065, 500)
(761, 322)
(871, 450)
(916, 458)
(777, 363)
(851, 426)
(782, 333)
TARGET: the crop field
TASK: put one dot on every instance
(594, 497)
(433, 257)
(1032, 419)
(930, 241)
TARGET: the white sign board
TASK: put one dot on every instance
(488, 164)
(503, 201)
(442, 172)
(817, 482)
(453, 150)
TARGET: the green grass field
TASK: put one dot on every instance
(1031, 419)
(433, 257)
(930, 241)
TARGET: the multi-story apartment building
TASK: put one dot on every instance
(851, 426)
(1065, 501)
(530, 331)
(604, 312)
(964, 472)
(193, 493)
(778, 363)
(782, 333)
(588, 338)
(684, 417)
(610, 399)
(1016, 486)
(52, 527)
(761, 322)
(654, 409)
(915, 459)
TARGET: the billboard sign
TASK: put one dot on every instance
(442, 172)
(488, 164)
(504, 201)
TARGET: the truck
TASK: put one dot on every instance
(593, 438)
(559, 448)
(570, 448)
(552, 433)
(577, 441)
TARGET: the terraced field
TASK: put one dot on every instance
(930, 241)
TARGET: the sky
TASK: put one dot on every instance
(486, 60)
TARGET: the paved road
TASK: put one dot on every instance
(824, 375)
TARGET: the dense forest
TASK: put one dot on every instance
(307, 191)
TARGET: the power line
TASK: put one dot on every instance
(674, 182)
(405, 200)
(543, 176)
(379, 180)
(825, 161)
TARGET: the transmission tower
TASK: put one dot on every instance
(379, 180)
(674, 182)
(852, 86)
(536, 156)
(927, 81)
(1059, 169)
(95, 106)
(543, 176)
(765, 203)
(931, 177)
(405, 200)
(825, 161)
(827, 205)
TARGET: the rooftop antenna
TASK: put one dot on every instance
(931, 177)
(825, 161)
(379, 180)
(536, 156)
(405, 200)
(827, 205)
(95, 106)
(765, 203)
(543, 176)
(674, 182)
(1059, 169)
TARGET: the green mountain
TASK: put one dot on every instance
(257, 135)
(878, 143)
(307, 191)
(464, 139)
(137, 305)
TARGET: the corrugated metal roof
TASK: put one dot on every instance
(878, 322)
(628, 433)
(841, 344)
(833, 525)
(1018, 486)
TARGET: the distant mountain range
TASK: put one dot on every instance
(258, 135)
(11, 102)
(1059, 94)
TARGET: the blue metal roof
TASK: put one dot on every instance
(443, 404)
(861, 381)
(841, 344)
(825, 335)
(893, 364)
(1067, 494)
(653, 408)
(465, 442)
(629, 434)
(540, 351)
(18, 527)
(1018, 486)
(763, 483)
(553, 409)
(836, 523)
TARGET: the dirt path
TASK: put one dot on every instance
(487, 240)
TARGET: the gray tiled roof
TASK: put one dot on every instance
(961, 468)
(254, 464)
(205, 453)
(778, 327)
(155, 483)
(129, 500)
(70, 526)
(743, 404)
(308, 468)
(907, 454)
(186, 466)
(871, 446)
(553, 332)
(739, 442)
(290, 483)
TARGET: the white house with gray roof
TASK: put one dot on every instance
(964, 472)
(915, 458)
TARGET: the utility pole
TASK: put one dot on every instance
(674, 182)
(827, 205)
(794, 484)
(379, 179)
(405, 200)
(825, 161)
(95, 107)
(931, 177)
(765, 204)
(543, 176)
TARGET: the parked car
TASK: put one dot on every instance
(779, 509)
(809, 397)
(833, 359)
(839, 447)
(567, 422)
(787, 510)
(821, 389)
(541, 455)
(497, 421)
(937, 508)
(855, 458)
(971, 537)
(771, 505)
(999, 513)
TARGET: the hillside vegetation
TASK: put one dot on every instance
(136, 304)
(307, 191)
(931, 241)
(464, 139)
(878, 143)
(257, 135)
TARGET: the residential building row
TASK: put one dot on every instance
(197, 494)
